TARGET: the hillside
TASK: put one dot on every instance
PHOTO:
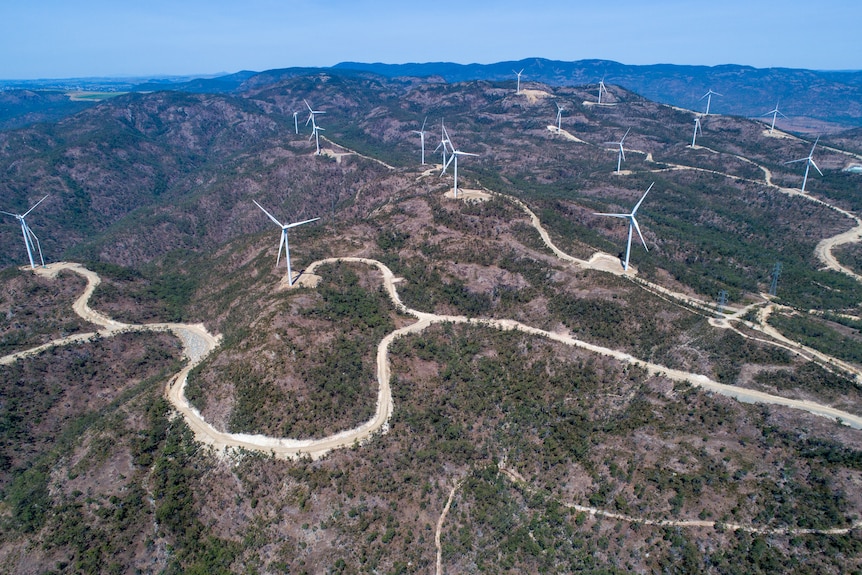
(828, 96)
(548, 411)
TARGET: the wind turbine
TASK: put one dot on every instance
(29, 236)
(283, 242)
(315, 129)
(697, 129)
(622, 153)
(422, 137)
(602, 88)
(775, 114)
(633, 223)
(296, 122)
(559, 117)
(708, 97)
(809, 159)
(519, 79)
(454, 158)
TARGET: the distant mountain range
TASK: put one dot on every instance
(829, 96)
(814, 100)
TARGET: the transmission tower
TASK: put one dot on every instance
(773, 289)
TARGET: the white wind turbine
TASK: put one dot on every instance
(29, 236)
(708, 97)
(454, 158)
(633, 223)
(775, 113)
(809, 161)
(559, 117)
(697, 129)
(518, 91)
(622, 154)
(422, 137)
(283, 242)
(602, 88)
(296, 122)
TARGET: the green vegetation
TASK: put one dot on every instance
(818, 334)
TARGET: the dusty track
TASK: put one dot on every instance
(198, 342)
(516, 478)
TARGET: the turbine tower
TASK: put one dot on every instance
(633, 223)
(518, 91)
(809, 161)
(29, 236)
(622, 154)
(697, 129)
(454, 158)
(283, 242)
(775, 113)
(708, 97)
(602, 88)
(296, 122)
(422, 137)
(559, 117)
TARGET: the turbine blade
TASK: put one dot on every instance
(307, 106)
(278, 223)
(280, 245)
(624, 136)
(815, 167)
(24, 215)
(794, 161)
(30, 231)
(637, 205)
(8, 214)
(423, 124)
(288, 226)
(612, 215)
(452, 157)
(638, 229)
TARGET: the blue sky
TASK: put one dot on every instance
(77, 38)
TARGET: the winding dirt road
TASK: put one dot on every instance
(198, 342)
